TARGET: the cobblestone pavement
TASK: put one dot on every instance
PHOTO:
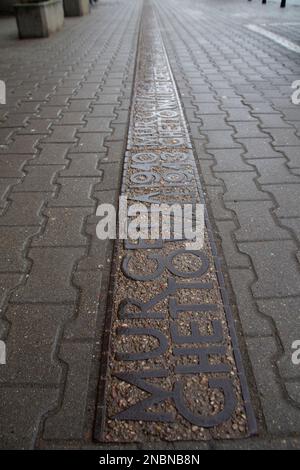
(62, 137)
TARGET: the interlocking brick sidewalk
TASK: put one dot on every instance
(62, 137)
(236, 86)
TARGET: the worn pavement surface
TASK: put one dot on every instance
(62, 136)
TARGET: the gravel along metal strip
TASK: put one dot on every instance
(170, 367)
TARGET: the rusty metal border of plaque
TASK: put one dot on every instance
(101, 407)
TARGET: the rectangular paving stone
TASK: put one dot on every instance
(96, 124)
(276, 267)
(221, 139)
(226, 231)
(240, 186)
(21, 412)
(82, 165)
(49, 112)
(87, 91)
(68, 421)
(111, 176)
(253, 322)
(260, 148)
(84, 324)
(272, 121)
(11, 165)
(75, 192)
(38, 178)
(50, 277)
(215, 199)
(284, 137)
(280, 415)
(119, 132)
(274, 171)
(102, 110)
(285, 314)
(105, 98)
(62, 134)
(78, 105)
(75, 117)
(24, 209)
(229, 160)
(63, 227)
(256, 221)
(32, 357)
(52, 154)
(287, 197)
(13, 248)
(8, 281)
(90, 142)
(25, 144)
(248, 130)
(293, 156)
(36, 126)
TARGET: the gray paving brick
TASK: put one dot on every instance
(276, 267)
(7, 283)
(31, 357)
(233, 257)
(284, 137)
(240, 186)
(274, 171)
(221, 140)
(285, 313)
(119, 132)
(21, 412)
(293, 155)
(248, 130)
(252, 320)
(68, 422)
(63, 227)
(111, 176)
(36, 126)
(50, 276)
(294, 225)
(24, 209)
(287, 197)
(214, 198)
(256, 222)
(78, 105)
(84, 323)
(13, 242)
(51, 154)
(25, 144)
(87, 91)
(229, 160)
(5, 185)
(82, 165)
(105, 98)
(90, 143)
(49, 112)
(62, 134)
(38, 178)
(280, 415)
(96, 124)
(259, 148)
(239, 115)
(75, 192)
(102, 110)
(272, 121)
(11, 165)
(75, 117)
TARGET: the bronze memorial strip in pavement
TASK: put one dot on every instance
(170, 368)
